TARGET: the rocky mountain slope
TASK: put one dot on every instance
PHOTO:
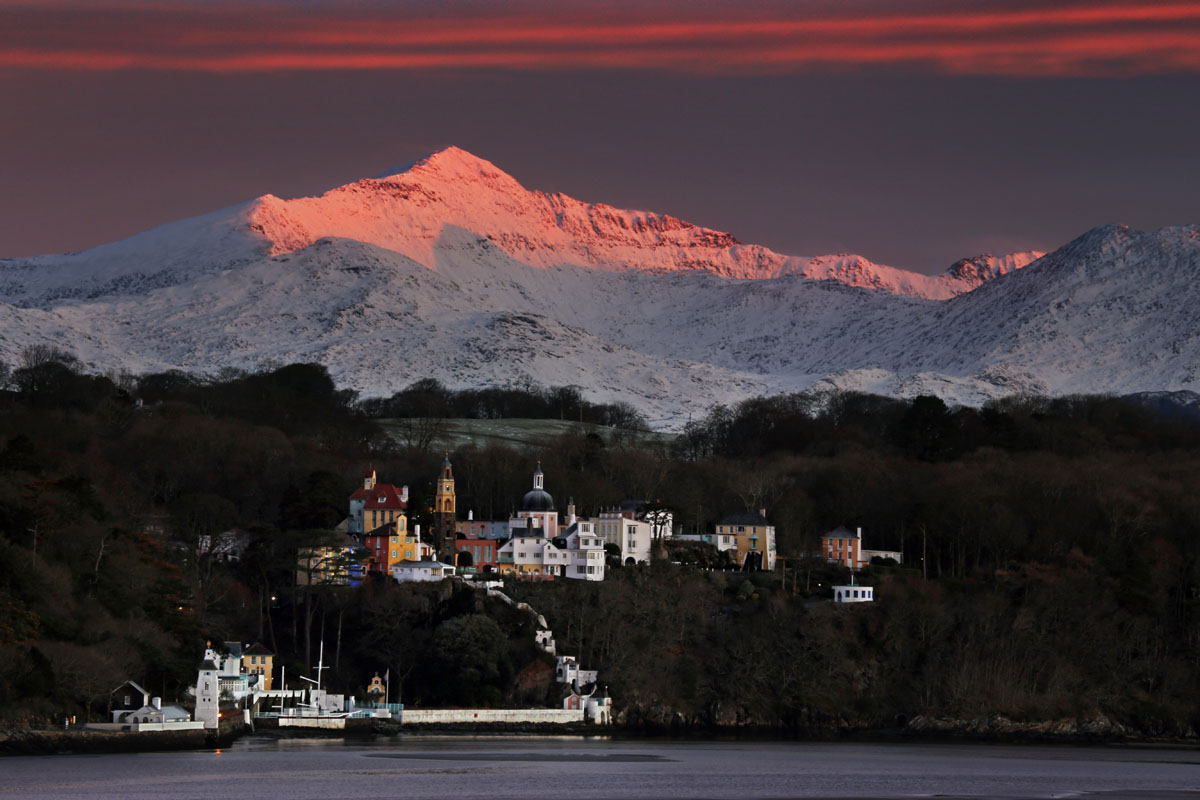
(452, 269)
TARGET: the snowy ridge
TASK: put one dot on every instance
(424, 274)
(410, 211)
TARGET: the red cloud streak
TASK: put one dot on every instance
(1055, 39)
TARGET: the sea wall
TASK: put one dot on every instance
(490, 716)
(312, 722)
(33, 741)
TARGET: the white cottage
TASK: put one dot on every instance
(853, 594)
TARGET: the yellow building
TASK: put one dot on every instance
(391, 543)
(755, 539)
(258, 660)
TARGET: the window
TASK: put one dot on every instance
(591, 570)
(579, 570)
(395, 554)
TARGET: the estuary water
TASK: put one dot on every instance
(500, 767)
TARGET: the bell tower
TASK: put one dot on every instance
(444, 514)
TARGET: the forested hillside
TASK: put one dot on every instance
(1059, 579)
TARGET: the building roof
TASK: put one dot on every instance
(383, 496)
(426, 564)
(135, 686)
(172, 711)
(842, 532)
(257, 649)
(744, 518)
(208, 666)
(386, 529)
(537, 500)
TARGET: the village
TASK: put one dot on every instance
(238, 681)
(536, 543)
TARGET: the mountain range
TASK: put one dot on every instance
(450, 268)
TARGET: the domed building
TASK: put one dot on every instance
(536, 548)
(538, 507)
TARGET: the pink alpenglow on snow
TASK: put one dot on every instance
(409, 212)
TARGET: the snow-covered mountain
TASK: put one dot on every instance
(451, 269)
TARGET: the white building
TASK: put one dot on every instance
(853, 594)
(586, 552)
(634, 537)
(156, 713)
(568, 672)
(598, 708)
(421, 571)
(535, 549)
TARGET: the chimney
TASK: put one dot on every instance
(858, 535)
(471, 515)
(404, 494)
(157, 703)
(762, 512)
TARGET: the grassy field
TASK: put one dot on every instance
(450, 434)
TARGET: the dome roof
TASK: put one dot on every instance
(537, 500)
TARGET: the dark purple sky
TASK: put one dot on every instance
(913, 138)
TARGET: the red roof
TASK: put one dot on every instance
(360, 494)
(384, 496)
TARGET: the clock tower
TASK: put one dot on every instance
(445, 521)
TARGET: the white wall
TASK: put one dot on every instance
(515, 715)
(311, 722)
(845, 594)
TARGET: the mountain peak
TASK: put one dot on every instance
(450, 160)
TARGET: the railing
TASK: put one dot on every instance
(395, 708)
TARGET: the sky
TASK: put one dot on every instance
(913, 132)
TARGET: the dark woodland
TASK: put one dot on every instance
(1051, 551)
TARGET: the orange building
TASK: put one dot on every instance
(841, 546)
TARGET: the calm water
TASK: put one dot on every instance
(498, 767)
